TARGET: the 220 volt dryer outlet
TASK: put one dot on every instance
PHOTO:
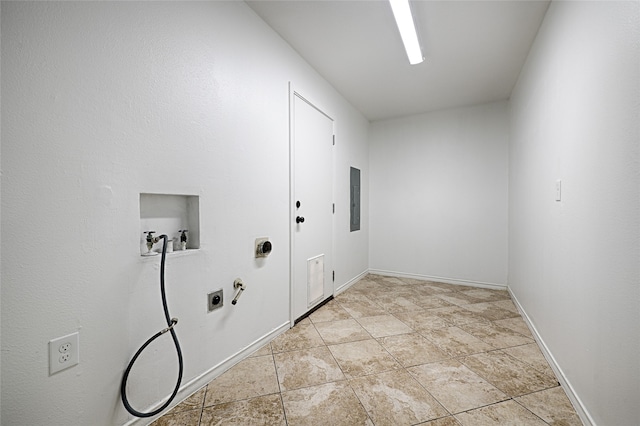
(64, 352)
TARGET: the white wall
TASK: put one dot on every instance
(351, 255)
(574, 265)
(102, 102)
(438, 202)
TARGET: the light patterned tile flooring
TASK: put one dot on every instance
(391, 351)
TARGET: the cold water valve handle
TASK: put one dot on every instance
(183, 238)
(240, 286)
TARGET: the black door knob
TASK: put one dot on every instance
(299, 219)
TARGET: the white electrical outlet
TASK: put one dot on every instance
(64, 352)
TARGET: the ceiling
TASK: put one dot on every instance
(473, 50)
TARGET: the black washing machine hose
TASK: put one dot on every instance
(171, 322)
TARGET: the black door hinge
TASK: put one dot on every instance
(334, 276)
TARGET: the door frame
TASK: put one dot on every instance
(293, 92)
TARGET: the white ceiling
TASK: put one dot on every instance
(474, 50)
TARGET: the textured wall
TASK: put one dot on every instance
(574, 265)
(102, 102)
(439, 194)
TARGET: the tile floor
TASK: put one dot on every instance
(391, 351)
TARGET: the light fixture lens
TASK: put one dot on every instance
(404, 19)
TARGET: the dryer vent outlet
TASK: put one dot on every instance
(263, 247)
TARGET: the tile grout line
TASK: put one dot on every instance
(204, 398)
(514, 400)
(275, 368)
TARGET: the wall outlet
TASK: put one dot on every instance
(64, 352)
(215, 300)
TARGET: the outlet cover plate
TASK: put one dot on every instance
(64, 352)
(211, 300)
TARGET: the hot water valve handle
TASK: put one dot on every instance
(238, 284)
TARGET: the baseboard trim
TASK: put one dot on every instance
(447, 280)
(195, 384)
(580, 408)
(349, 283)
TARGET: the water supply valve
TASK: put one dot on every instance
(239, 285)
(151, 240)
(183, 238)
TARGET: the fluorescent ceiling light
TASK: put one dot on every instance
(404, 19)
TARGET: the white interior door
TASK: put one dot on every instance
(312, 206)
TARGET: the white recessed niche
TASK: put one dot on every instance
(170, 214)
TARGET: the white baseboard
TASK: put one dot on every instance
(195, 384)
(456, 281)
(349, 283)
(581, 410)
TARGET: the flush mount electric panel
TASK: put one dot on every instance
(169, 214)
(355, 199)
